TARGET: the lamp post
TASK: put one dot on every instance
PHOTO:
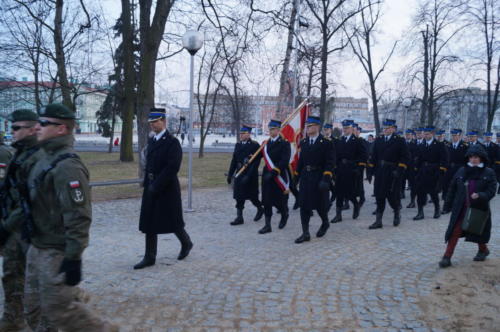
(192, 41)
(406, 105)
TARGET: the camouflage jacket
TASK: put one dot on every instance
(5, 156)
(60, 199)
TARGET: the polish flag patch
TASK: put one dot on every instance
(74, 184)
(3, 165)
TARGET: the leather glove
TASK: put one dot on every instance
(73, 271)
(267, 177)
(229, 179)
(324, 184)
(4, 235)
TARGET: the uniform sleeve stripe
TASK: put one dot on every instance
(361, 164)
(443, 168)
(328, 173)
(402, 165)
(277, 170)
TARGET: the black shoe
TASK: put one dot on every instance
(259, 214)
(146, 261)
(411, 205)
(322, 230)
(481, 255)
(283, 221)
(420, 214)
(265, 229)
(378, 222)
(397, 218)
(185, 251)
(355, 211)
(437, 213)
(237, 221)
(445, 262)
(338, 217)
(296, 205)
(303, 238)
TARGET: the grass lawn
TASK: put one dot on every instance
(207, 172)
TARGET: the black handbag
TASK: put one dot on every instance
(475, 219)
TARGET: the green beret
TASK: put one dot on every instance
(57, 111)
(23, 115)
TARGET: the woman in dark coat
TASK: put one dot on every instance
(161, 209)
(479, 183)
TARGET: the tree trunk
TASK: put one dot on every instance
(324, 69)
(60, 57)
(126, 146)
(423, 109)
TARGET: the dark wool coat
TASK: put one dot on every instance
(314, 161)
(456, 161)
(279, 152)
(246, 185)
(161, 210)
(431, 164)
(351, 158)
(455, 201)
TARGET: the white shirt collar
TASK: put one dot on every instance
(313, 138)
(159, 135)
(347, 137)
(455, 144)
(275, 138)
(430, 142)
(387, 137)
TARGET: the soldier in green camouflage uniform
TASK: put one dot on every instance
(14, 247)
(5, 156)
(61, 208)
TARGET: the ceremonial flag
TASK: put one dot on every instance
(294, 131)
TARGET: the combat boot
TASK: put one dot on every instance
(150, 255)
(437, 210)
(239, 218)
(420, 214)
(284, 219)
(305, 230)
(412, 204)
(378, 222)
(397, 218)
(338, 216)
(355, 210)
(259, 214)
(324, 227)
(267, 227)
(186, 244)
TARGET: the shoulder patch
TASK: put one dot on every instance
(74, 184)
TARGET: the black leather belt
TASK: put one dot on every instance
(310, 168)
(387, 163)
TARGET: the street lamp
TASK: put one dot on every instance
(192, 41)
(406, 105)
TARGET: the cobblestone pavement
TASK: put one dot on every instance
(353, 279)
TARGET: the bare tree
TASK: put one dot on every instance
(331, 17)
(484, 16)
(362, 46)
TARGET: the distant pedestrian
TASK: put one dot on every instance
(116, 142)
(182, 138)
(472, 186)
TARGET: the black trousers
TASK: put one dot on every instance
(240, 203)
(281, 205)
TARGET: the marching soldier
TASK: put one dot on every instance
(410, 173)
(328, 134)
(351, 158)
(315, 170)
(275, 179)
(390, 159)
(5, 157)
(456, 151)
(162, 191)
(59, 194)
(360, 191)
(432, 163)
(13, 243)
(246, 185)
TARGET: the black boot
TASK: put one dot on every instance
(356, 209)
(378, 222)
(338, 216)
(481, 256)
(437, 210)
(239, 218)
(324, 227)
(150, 252)
(186, 244)
(304, 216)
(445, 262)
(412, 204)
(284, 219)
(420, 214)
(259, 214)
(397, 218)
(267, 227)
(296, 205)
(346, 205)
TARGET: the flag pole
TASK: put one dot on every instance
(287, 120)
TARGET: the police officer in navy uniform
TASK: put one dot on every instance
(314, 170)
(492, 149)
(390, 159)
(360, 190)
(456, 152)
(275, 179)
(246, 185)
(432, 165)
(472, 136)
(161, 209)
(328, 134)
(351, 158)
(410, 172)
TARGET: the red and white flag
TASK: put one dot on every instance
(294, 131)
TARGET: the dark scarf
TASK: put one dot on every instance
(473, 173)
